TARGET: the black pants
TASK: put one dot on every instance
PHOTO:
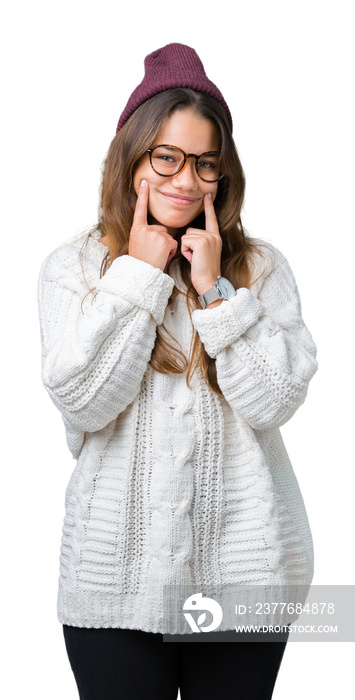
(120, 664)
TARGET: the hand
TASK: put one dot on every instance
(203, 250)
(152, 244)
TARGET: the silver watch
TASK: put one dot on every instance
(222, 289)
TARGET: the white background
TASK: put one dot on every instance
(286, 71)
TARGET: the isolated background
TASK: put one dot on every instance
(286, 71)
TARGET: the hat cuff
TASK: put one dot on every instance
(140, 96)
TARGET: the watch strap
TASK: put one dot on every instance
(212, 294)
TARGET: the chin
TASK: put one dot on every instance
(174, 220)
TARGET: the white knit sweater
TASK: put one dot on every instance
(173, 486)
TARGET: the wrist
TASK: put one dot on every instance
(218, 291)
(202, 287)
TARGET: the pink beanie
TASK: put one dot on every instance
(172, 66)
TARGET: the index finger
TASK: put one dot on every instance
(211, 218)
(141, 210)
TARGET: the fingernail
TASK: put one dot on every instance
(209, 195)
(143, 183)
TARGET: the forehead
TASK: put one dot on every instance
(188, 131)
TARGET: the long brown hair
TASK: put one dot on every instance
(118, 201)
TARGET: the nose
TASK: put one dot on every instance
(187, 178)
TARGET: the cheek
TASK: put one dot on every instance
(138, 176)
(143, 170)
(214, 191)
(146, 174)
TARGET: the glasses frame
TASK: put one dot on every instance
(186, 156)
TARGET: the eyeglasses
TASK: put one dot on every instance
(168, 160)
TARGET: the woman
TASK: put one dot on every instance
(174, 347)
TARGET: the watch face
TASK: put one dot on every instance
(226, 287)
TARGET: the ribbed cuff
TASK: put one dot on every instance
(222, 325)
(140, 283)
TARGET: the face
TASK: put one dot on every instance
(175, 201)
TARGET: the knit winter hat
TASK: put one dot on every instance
(172, 66)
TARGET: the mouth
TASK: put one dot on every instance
(179, 200)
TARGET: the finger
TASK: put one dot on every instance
(186, 252)
(172, 252)
(141, 210)
(187, 241)
(211, 218)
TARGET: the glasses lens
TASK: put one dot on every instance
(208, 167)
(166, 160)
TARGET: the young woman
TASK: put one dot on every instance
(174, 347)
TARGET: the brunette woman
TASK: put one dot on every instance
(174, 347)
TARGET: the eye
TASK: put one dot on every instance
(166, 155)
(207, 164)
(164, 158)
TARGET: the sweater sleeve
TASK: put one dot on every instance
(94, 355)
(265, 355)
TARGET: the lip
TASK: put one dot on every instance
(178, 199)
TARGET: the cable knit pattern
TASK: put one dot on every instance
(265, 355)
(173, 487)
